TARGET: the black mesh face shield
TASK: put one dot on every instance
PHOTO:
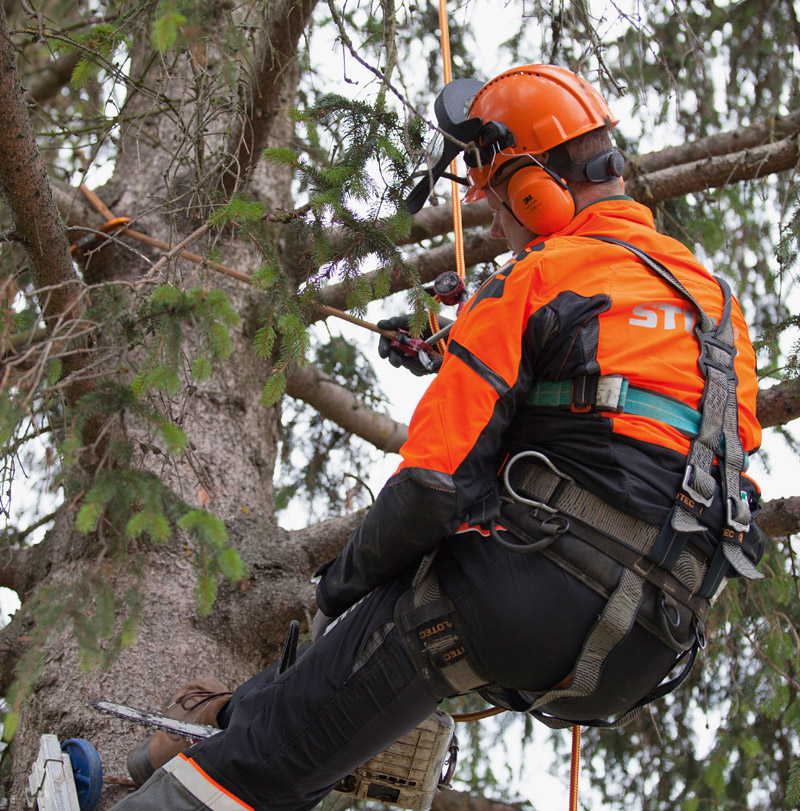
(451, 109)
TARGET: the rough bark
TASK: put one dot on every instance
(284, 24)
(313, 386)
(779, 404)
(722, 143)
(25, 187)
(780, 517)
(714, 172)
(228, 466)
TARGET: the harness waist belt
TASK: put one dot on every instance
(613, 393)
(622, 530)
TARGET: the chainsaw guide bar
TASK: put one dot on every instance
(186, 729)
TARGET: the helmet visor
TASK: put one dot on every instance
(455, 130)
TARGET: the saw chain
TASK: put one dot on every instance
(156, 720)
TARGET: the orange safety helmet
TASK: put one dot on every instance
(541, 107)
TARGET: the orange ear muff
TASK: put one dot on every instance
(540, 200)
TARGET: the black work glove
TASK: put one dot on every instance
(397, 357)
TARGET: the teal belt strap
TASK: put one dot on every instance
(673, 412)
(632, 400)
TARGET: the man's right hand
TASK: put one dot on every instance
(396, 356)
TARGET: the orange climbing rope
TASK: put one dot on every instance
(458, 231)
(120, 225)
(575, 768)
(476, 716)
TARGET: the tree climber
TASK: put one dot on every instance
(570, 499)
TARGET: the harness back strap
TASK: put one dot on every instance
(610, 629)
(719, 419)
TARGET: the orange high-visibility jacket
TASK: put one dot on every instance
(566, 307)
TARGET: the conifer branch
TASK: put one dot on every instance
(320, 542)
(723, 143)
(53, 77)
(479, 247)
(311, 385)
(434, 221)
(714, 172)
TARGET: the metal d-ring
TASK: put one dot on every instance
(515, 495)
(666, 607)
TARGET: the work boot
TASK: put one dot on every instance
(199, 702)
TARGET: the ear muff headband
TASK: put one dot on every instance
(540, 200)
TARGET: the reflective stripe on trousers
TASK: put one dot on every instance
(200, 785)
(181, 785)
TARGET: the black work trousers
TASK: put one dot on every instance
(288, 740)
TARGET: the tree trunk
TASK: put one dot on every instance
(228, 469)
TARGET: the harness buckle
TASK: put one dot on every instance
(708, 342)
(612, 392)
(603, 393)
(691, 491)
(700, 633)
(732, 506)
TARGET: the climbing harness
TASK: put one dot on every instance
(663, 578)
(435, 636)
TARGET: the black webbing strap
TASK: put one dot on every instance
(431, 627)
(719, 410)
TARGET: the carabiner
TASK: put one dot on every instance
(521, 499)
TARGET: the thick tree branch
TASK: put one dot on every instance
(285, 22)
(25, 187)
(321, 542)
(780, 517)
(279, 587)
(465, 801)
(313, 386)
(724, 143)
(778, 404)
(478, 247)
(13, 642)
(713, 172)
(434, 221)
(14, 564)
